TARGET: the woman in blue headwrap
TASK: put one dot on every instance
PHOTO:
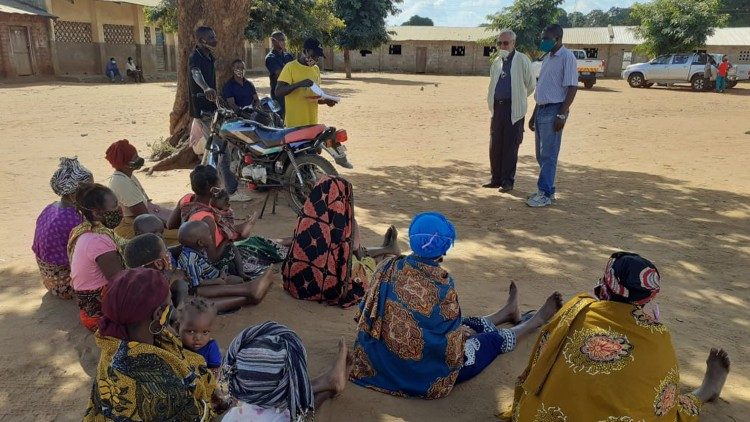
(412, 339)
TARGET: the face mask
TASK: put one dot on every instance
(112, 219)
(310, 61)
(137, 163)
(239, 73)
(503, 54)
(547, 45)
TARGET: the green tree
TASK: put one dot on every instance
(622, 16)
(739, 12)
(298, 19)
(577, 19)
(364, 28)
(673, 26)
(417, 20)
(596, 18)
(163, 15)
(527, 18)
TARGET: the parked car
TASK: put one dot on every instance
(588, 69)
(680, 68)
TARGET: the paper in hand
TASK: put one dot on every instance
(323, 96)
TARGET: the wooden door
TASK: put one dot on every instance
(20, 50)
(421, 59)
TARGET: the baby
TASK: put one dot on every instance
(225, 216)
(195, 321)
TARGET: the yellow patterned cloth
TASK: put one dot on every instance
(602, 361)
(98, 228)
(144, 382)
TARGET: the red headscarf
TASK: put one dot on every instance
(120, 153)
(132, 297)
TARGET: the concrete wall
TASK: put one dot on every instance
(439, 59)
(39, 45)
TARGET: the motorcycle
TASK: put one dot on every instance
(268, 157)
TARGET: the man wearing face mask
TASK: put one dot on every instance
(130, 194)
(113, 71)
(294, 85)
(202, 80)
(511, 82)
(556, 90)
(276, 59)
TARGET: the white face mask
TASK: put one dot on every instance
(503, 54)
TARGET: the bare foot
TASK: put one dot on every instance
(717, 369)
(551, 306)
(509, 312)
(387, 239)
(390, 241)
(337, 375)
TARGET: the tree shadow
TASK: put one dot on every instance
(385, 80)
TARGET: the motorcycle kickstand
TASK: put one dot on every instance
(275, 193)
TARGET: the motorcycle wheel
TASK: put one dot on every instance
(312, 168)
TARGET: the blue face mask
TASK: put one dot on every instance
(547, 45)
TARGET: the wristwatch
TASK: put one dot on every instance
(562, 116)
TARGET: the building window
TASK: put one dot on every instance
(592, 53)
(743, 56)
(394, 49)
(147, 35)
(77, 32)
(118, 34)
(488, 51)
(458, 51)
(364, 53)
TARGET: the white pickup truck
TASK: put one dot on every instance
(588, 69)
(680, 68)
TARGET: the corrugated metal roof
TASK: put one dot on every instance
(438, 33)
(150, 3)
(13, 6)
(621, 35)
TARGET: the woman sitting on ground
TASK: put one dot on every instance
(144, 373)
(250, 256)
(413, 340)
(95, 251)
(132, 197)
(609, 358)
(326, 262)
(265, 369)
(54, 224)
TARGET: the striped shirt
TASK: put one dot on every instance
(196, 265)
(559, 71)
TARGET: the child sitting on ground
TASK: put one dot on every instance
(195, 320)
(149, 223)
(228, 292)
(148, 250)
(225, 216)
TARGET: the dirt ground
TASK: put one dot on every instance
(661, 172)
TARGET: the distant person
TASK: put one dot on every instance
(202, 81)
(294, 85)
(555, 92)
(708, 70)
(239, 92)
(133, 71)
(721, 74)
(511, 82)
(276, 59)
(113, 72)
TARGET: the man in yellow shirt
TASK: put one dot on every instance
(294, 85)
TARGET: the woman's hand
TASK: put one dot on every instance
(467, 331)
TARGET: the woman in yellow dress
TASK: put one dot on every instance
(608, 358)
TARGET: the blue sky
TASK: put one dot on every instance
(473, 12)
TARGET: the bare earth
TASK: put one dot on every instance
(661, 172)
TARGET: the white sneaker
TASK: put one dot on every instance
(539, 201)
(240, 197)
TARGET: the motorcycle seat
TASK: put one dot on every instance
(302, 133)
(271, 137)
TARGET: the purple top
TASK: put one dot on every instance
(53, 227)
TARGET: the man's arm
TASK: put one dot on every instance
(570, 78)
(283, 89)
(198, 78)
(569, 97)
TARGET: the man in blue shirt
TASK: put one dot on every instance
(555, 92)
(276, 59)
(238, 91)
(113, 71)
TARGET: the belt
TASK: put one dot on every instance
(547, 105)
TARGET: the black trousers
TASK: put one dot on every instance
(505, 138)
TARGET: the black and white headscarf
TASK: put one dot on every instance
(68, 176)
(266, 366)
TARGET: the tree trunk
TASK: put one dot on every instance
(228, 18)
(348, 63)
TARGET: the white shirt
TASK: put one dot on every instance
(130, 66)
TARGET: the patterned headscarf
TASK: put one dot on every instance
(69, 174)
(120, 153)
(266, 366)
(132, 297)
(628, 278)
(431, 234)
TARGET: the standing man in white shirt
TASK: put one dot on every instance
(556, 90)
(511, 82)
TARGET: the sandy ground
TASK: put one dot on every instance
(661, 172)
